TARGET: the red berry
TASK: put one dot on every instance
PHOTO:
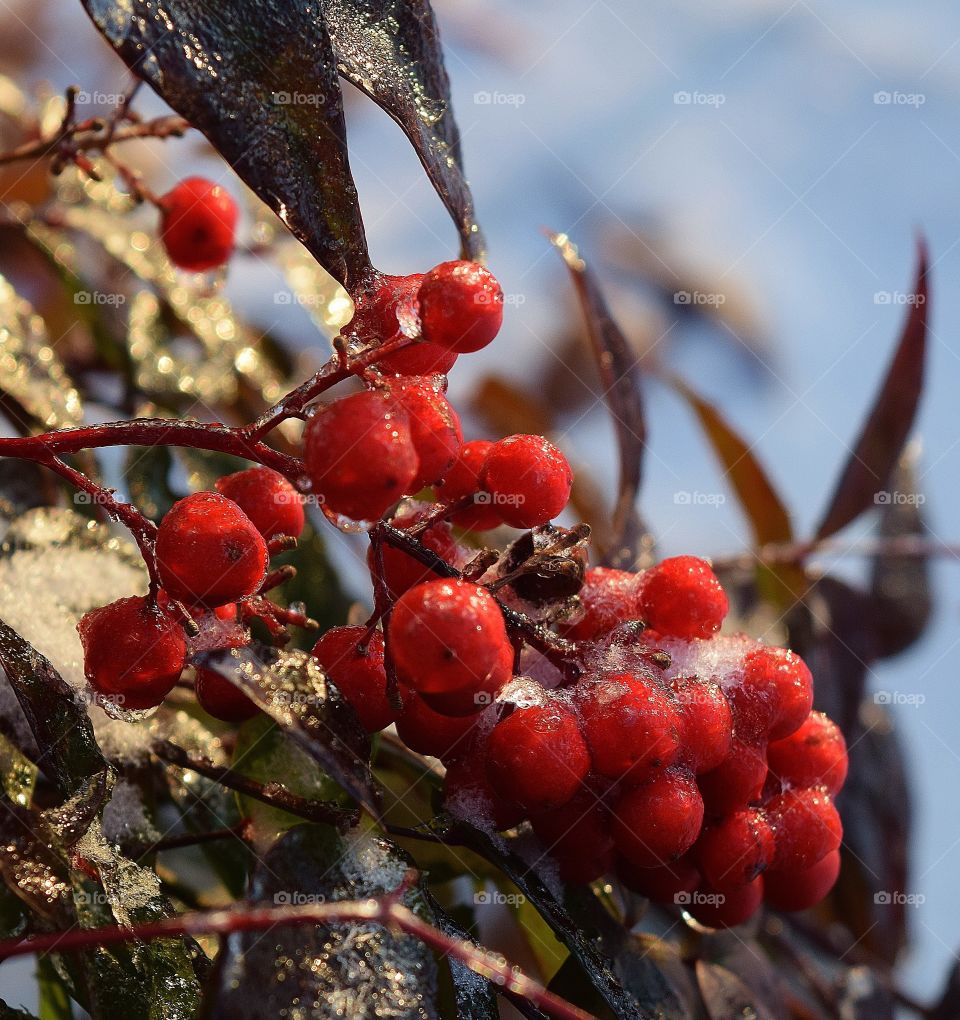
(360, 677)
(806, 828)
(449, 642)
(386, 308)
(528, 479)
(781, 678)
(629, 723)
(222, 699)
(463, 479)
(608, 598)
(401, 571)
(577, 836)
(682, 597)
(814, 755)
(799, 890)
(198, 220)
(209, 551)
(537, 756)
(133, 652)
(735, 850)
(706, 722)
(666, 883)
(726, 909)
(467, 785)
(418, 359)
(267, 498)
(434, 427)
(360, 456)
(737, 781)
(461, 306)
(429, 732)
(659, 821)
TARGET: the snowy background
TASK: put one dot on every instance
(787, 178)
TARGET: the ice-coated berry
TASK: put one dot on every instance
(461, 306)
(607, 598)
(735, 850)
(806, 827)
(133, 652)
(386, 307)
(401, 571)
(666, 883)
(528, 480)
(222, 699)
(198, 221)
(418, 359)
(538, 757)
(781, 678)
(267, 498)
(577, 836)
(737, 781)
(434, 426)
(800, 890)
(659, 821)
(706, 722)
(428, 732)
(462, 480)
(209, 551)
(814, 755)
(449, 642)
(717, 909)
(360, 456)
(467, 790)
(682, 597)
(629, 723)
(358, 673)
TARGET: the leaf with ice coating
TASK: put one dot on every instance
(327, 971)
(30, 371)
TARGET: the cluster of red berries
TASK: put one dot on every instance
(690, 764)
(707, 783)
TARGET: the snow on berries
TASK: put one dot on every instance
(198, 222)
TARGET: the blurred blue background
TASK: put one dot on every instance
(786, 154)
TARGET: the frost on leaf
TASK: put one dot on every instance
(344, 970)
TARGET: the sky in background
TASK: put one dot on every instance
(790, 151)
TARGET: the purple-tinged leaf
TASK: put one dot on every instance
(882, 439)
(259, 79)
(392, 53)
(620, 378)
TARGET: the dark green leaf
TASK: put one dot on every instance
(392, 52)
(54, 998)
(259, 79)
(620, 379)
(881, 441)
(474, 997)
(357, 970)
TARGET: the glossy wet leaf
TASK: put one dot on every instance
(768, 517)
(473, 996)
(726, 996)
(621, 385)
(392, 52)
(290, 688)
(31, 372)
(881, 441)
(354, 970)
(260, 81)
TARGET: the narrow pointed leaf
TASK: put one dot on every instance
(885, 432)
(259, 79)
